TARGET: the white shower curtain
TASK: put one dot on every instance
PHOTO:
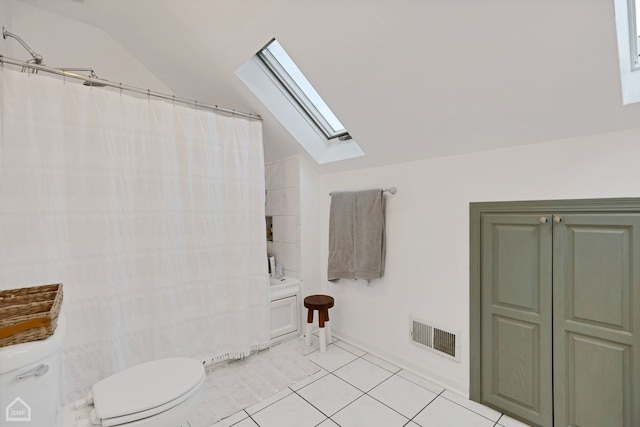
(151, 215)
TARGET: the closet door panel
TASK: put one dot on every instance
(602, 363)
(516, 316)
(515, 366)
(596, 319)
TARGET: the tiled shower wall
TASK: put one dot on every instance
(282, 181)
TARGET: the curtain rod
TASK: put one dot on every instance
(101, 82)
(392, 190)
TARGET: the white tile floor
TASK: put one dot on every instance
(356, 389)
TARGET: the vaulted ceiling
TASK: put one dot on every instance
(410, 79)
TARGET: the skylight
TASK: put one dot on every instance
(627, 28)
(290, 76)
(289, 97)
(634, 13)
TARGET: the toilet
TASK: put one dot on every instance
(159, 393)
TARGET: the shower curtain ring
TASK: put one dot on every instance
(148, 94)
(120, 85)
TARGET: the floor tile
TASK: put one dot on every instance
(204, 416)
(220, 401)
(506, 421)
(351, 348)
(485, 411)
(363, 374)
(316, 335)
(328, 423)
(337, 390)
(368, 412)
(330, 394)
(420, 381)
(310, 379)
(298, 346)
(403, 396)
(314, 346)
(269, 401)
(232, 420)
(292, 411)
(334, 358)
(444, 413)
(247, 422)
(382, 363)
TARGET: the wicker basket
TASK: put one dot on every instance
(29, 314)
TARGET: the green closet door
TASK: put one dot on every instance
(596, 322)
(516, 360)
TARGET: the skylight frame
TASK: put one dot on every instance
(625, 17)
(634, 34)
(284, 69)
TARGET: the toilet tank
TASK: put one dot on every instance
(30, 381)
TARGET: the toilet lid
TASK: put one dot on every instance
(146, 389)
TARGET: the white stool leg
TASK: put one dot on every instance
(307, 335)
(323, 340)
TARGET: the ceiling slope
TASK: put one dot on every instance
(409, 79)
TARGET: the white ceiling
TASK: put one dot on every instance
(410, 79)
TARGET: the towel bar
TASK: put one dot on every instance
(392, 190)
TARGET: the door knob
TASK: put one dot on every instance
(557, 219)
(544, 220)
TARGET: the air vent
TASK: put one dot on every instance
(438, 340)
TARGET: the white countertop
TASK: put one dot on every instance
(284, 281)
(281, 288)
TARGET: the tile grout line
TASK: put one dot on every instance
(469, 409)
(384, 404)
(366, 393)
(296, 391)
(315, 407)
(329, 373)
(251, 418)
(363, 356)
(341, 379)
(425, 406)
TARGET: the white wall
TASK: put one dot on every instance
(427, 268)
(291, 200)
(282, 182)
(6, 20)
(64, 42)
(311, 201)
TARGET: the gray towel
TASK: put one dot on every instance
(356, 235)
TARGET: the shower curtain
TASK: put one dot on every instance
(151, 214)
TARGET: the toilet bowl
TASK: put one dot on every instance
(159, 393)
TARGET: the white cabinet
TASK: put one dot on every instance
(284, 318)
(285, 310)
